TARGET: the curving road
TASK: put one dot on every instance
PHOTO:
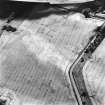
(75, 71)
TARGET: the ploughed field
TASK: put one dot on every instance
(34, 60)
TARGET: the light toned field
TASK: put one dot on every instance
(94, 75)
(33, 61)
(56, 1)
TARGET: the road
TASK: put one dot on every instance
(75, 71)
